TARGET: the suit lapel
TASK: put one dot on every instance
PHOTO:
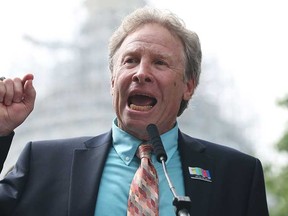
(86, 174)
(193, 155)
(88, 164)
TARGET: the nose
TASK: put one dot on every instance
(143, 74)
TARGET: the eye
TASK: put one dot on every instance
(130, 60)
(160, 62)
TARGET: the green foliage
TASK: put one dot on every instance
(277, 187)
(282, 145)
(284, 102)
(277, 181)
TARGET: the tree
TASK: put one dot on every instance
(276, 183)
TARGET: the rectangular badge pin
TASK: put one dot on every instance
(200, 174)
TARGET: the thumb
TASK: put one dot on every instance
(29, 93)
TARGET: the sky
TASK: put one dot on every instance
(248, 38)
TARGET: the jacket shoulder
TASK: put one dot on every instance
(216, 150)
(73, 142)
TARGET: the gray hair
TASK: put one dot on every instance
(189, 39)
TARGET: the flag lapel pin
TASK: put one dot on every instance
(200, 174)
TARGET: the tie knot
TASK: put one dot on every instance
(144, 150)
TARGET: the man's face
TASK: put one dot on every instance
(147, 83)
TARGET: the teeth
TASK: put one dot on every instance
(140, 108)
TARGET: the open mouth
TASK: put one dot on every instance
(141, 102)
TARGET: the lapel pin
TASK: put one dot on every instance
(200, 174)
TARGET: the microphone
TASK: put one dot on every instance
(181, 203)
(157, 143)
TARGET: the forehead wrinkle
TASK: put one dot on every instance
(147, 47)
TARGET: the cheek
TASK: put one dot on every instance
(119, 89)
(177, 86)
(121, 79)
(177, 90)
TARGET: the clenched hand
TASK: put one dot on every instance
(17, 98)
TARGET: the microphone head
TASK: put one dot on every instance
(156, 141)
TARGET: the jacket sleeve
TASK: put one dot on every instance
(5, 143)
(257, 200)
(13, 184)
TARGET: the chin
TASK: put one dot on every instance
(138, 124)
(136, 127)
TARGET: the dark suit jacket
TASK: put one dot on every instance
(61, 177)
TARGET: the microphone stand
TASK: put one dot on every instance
(181, 203)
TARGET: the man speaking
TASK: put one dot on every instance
(155, 65)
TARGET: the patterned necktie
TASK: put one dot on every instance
(143, 195)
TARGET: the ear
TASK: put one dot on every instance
(189, 91)
(112, 85)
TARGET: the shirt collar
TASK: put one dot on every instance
(126, 145)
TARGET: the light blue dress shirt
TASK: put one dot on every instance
(121, 166)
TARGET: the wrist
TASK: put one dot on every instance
(6, 134)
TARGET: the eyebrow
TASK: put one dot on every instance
(138, 50)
